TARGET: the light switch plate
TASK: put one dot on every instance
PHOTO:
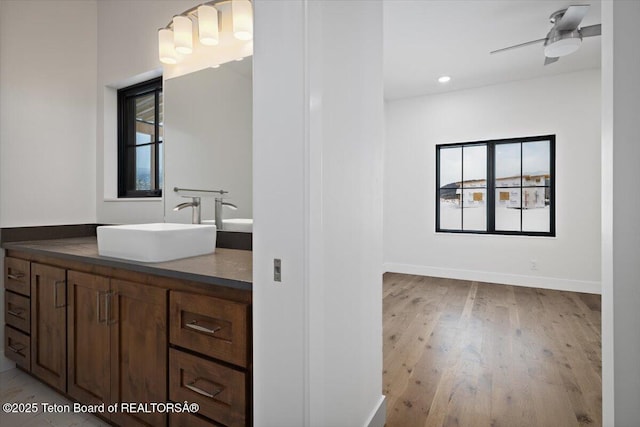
(277, 270)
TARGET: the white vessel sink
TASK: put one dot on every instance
(244, 225)
(156, 242)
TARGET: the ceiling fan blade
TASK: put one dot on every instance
(548, 60)
(591, 30)
(572, 17)
(517, 45)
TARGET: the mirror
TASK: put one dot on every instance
(208, 140)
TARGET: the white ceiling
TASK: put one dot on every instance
(425, 39)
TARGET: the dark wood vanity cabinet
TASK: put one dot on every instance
(17, 311)
(216, 377)
(117, 345)
(88, 342)
(107, 335)
(138, 318)
(48, 325)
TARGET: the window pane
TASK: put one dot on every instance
(143, 167)
(450, 167)
(145, 118)
(507, 209)
(450, 215)
(535, 162)
(474, 216)
(450, 179)
(536, 219)
(507, 165)
(475, 166)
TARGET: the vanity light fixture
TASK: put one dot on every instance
(222, 30)
(242, 19)
(182, 34)
(208, 25)
(168, 54)
(444, 79)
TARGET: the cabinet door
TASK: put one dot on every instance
(88, 343)
(48, 325)
(138, 349)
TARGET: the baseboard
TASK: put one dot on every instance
(5, 364)
(379, 415)
(589, 287)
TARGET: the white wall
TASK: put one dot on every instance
(208, 123)
(567, 105)
(620, 225)
(317, 207)
(47, 115)
(47, 112)
(127, 54)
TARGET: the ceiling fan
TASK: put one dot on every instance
(565, 37)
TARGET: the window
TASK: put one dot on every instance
(497, 187)
(140, 138)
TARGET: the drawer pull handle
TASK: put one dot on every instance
(16, 313)
(55, 294)
(17, 276)
(194, 325)
(198, 390)
(99, 319)
(17, 349)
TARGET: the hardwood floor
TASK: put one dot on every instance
(460, 353)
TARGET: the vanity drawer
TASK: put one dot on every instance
(17, 275)
(211, 326)
(17, 311)
(17, 347)
(220, 391)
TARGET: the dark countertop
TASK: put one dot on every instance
(226, 267)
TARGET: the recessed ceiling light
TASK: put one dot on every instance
(444, 79)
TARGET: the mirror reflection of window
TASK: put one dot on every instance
(140, 137)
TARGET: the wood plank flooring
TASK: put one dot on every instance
(461, 353)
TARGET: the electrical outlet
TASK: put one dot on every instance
(277, 270)
(534, 265)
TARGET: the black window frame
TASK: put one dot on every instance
(127, 139)
(491, 186)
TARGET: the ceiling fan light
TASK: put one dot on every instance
(562, 47)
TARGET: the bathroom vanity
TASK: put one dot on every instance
(103, 330)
